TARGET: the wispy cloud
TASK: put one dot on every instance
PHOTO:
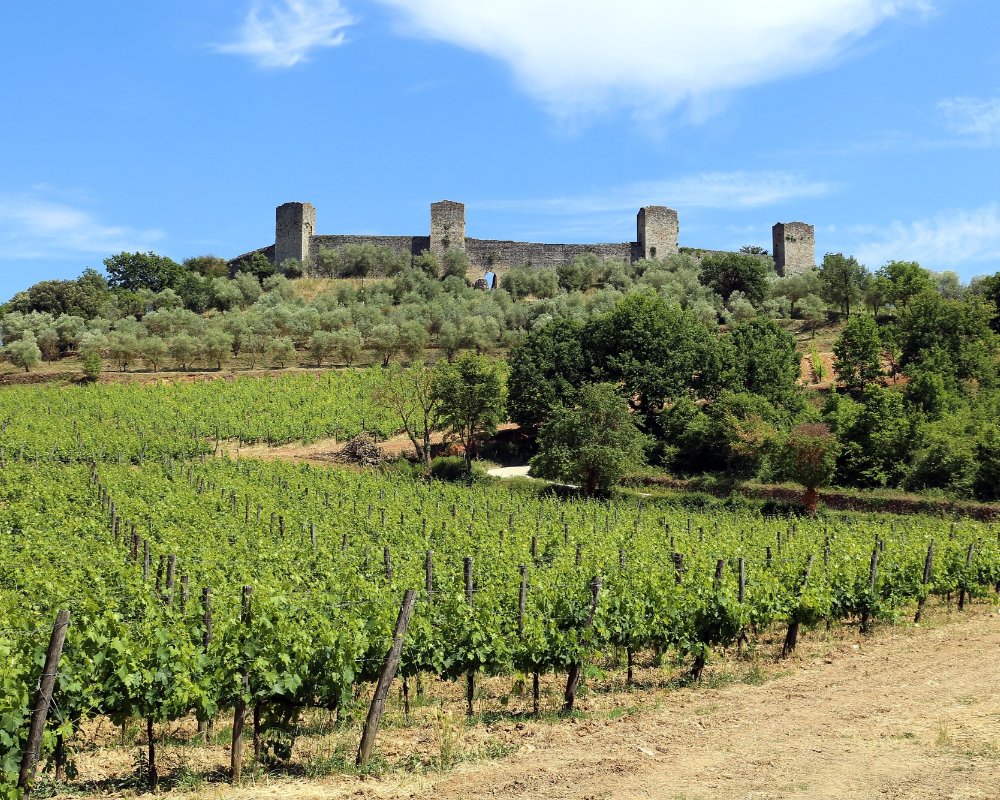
(715, 190)
(978, 117)
(955, 238)
(650, 56)
(34, 226)
(281, 34)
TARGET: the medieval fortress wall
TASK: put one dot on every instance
(657, 231)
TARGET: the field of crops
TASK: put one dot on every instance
(203, 588)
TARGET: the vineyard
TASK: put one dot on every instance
(227, 590)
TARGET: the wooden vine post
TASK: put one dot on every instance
(470, 678)
(240, 707)
(385, 678)
(46, 685)
(576, 668)
(926, 579)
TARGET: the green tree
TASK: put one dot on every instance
(987, 483)
(384, 341)
(183, 349)
(653, 350)
(988, 288)
(135, 271)
(858, 351)
(876, 437)
(411, 395)
(726, 273)
(154, 351)
(24, 353)
(347, 345)
(797, 286)
(321, 344)
(473, 394)
(545, 370)
(592, 443)
(843, 280)
(809, 457)
(217, 346)
(207, 266)
(878, 292)
(906, 280)
(958, 328)
(456, 263)
(256, 264)
(123, 349)
(761, 357)
(282, 350)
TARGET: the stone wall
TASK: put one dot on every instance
(403, 245)
(794, 247)
(501, 254)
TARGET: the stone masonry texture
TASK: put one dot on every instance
(657, 230)
(794, 247)
(294, 226)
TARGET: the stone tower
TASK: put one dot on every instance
(447, 227)
(657, 228)
(794, 247)
(294, 226)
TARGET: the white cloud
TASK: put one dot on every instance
(950, 239)
(281, 34)
(586, 56)
(973, 116)
(718, 190)
(33, 227)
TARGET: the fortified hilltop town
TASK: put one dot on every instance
(295, 237)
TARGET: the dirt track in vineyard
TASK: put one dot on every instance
(908, 714)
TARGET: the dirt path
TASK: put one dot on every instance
(910, 715)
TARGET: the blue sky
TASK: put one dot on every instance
(178, 127)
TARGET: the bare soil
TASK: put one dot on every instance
(323, 450)
(912, 712)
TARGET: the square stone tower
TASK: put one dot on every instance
(657, 227)
(447, 227)
(794, 247)
(294, 226)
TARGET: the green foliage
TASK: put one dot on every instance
(545, 369)
(592, 443)
(809, 455)
(450, 468)
(876, 437)
(843, 281)
(747, 273)
(653, 350)
(82, 297)
(133, 272)
(906, 279)
(859, 351)
(760, 357)
(24, 353)
(958, 332)
(472, 394)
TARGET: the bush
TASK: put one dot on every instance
(451, 468)
(91, 365)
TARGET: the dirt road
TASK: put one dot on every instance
(911, 714)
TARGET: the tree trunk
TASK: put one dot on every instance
(791, 639)
(698, 667)
(810, 499)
